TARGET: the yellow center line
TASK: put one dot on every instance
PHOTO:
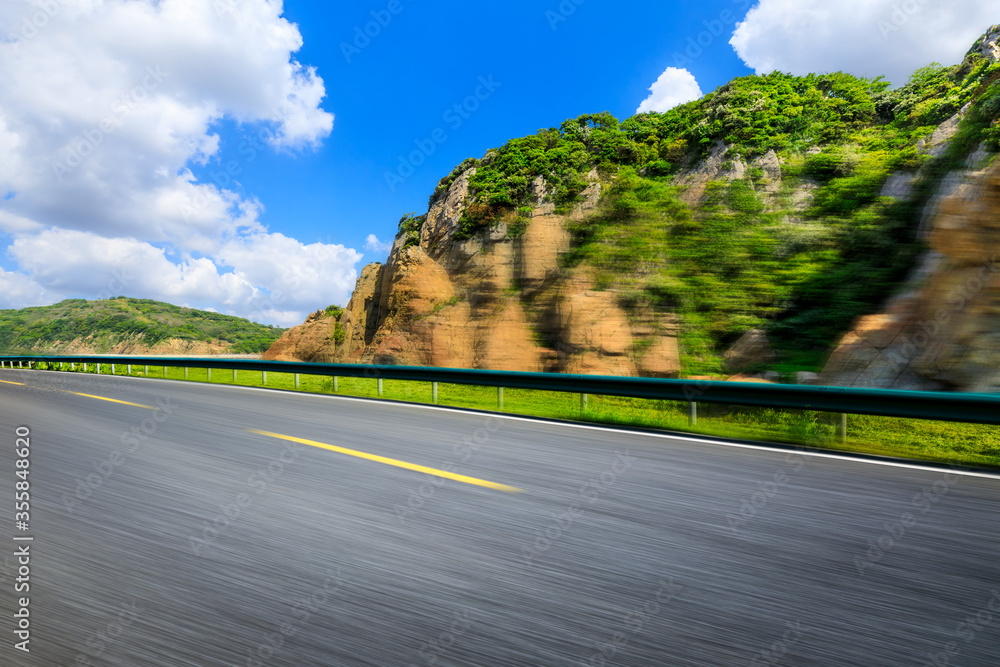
(113, 400)
(393, 462)
(100, 398)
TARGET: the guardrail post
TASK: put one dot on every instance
(296, 382)
(98, 368)
(842, 428)
(185, 372)
(263, 377)
(128, 369)
(19, 365)
(379, 387)
(336, 384)
(499, 398)
(112, 369)
(234, 376)
(434, 392)
(692, 413)
(209, 374)
(583, 402)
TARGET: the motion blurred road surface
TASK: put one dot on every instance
(167, 532)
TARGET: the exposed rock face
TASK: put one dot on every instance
(506, 343)
(945, 333)
(898, 186)
(135, 345)
(413, 284)
(592, 322)
(936, 144)
(443, 216)
(490, 301)
(967, 228)
(771, 166)
(719, 165)
(312, 341)
(360, 318)
(449, 336)
(541, 244)
(751, 349)
(663, 359)
(987, 45)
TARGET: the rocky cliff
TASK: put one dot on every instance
(942, 332)
(494, 301)
(776, 227)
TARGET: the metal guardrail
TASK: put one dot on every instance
(944, 406)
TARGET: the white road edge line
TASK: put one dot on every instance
(930, 467)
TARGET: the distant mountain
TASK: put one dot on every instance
(129, 326)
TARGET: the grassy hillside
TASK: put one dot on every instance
(114, 320)
(738, 260)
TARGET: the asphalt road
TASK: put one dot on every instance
(173, 534)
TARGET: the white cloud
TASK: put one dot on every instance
(19, 288)
(675, 86)
(105, 106)
(297, 276)
(372, 244)
(862, 37)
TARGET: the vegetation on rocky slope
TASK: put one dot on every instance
(107, 323)
(745, 255)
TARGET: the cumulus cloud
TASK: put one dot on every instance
(19, 288)
(106, 106)
(675, 86)
(268, 277)
(372, 244)
(863, 37)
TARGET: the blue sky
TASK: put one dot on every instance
(397, 90)
(232, 154)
